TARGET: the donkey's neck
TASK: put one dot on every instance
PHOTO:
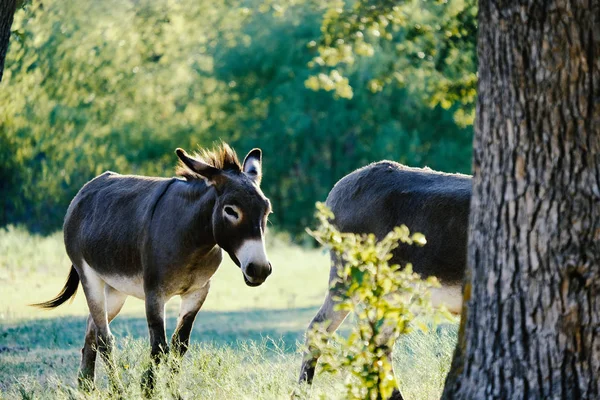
(194, 205)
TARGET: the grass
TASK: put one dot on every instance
(245, 342)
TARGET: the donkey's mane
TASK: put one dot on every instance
(222, 156)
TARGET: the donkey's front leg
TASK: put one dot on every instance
(329, 315)
(190, 305)
(332, 319)
(385, 336)
(155, 315)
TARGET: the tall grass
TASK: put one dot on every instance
(244, 343)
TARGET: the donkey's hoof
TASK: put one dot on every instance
(396, 395)
(147, 383)
(299, 393)
(86, 383)
(116, 390)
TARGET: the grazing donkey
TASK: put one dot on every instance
(155, 238)
(383, 195)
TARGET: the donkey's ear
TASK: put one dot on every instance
(208, 172)
(253, 165)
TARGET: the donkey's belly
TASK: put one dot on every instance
(130, 285)
(450, 296)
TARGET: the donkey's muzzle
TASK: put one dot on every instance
(256, 274)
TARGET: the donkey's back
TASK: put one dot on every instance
(107, 220)
(383, 195)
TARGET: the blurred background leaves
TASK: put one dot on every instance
(117, 85)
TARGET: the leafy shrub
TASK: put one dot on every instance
(385, 298)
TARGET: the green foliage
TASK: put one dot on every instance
(384, 297)
(428, 46)
(93, 86)
(118, 85)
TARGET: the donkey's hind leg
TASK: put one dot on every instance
(114, 303)
(104, 304)
(94, 288)
(87, 368)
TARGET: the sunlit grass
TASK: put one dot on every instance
(34, 269)
(244, 343)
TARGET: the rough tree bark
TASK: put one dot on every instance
(530, 327)
(7, 12)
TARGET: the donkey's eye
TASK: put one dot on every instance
(231, 212)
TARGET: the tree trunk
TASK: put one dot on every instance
(7, 12)
(530, 327)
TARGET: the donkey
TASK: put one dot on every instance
(155, 238)
(383, 195)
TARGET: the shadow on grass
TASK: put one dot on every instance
(219, 328)
(47, 350)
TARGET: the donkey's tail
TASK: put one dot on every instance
(68, 291)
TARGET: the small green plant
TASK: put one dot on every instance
(385, 299)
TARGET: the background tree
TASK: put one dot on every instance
(530, 327)
(91, 86)
(7, 12)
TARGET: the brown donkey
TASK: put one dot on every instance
(155, 238)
